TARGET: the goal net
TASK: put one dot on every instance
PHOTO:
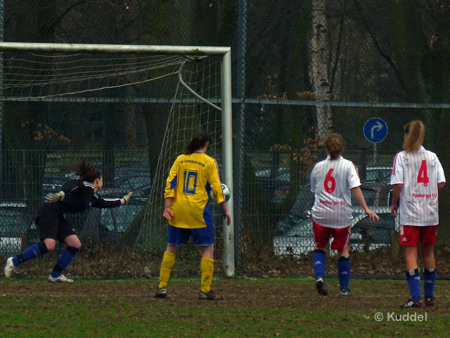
(130, 110)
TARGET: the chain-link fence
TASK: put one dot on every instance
(301, 69)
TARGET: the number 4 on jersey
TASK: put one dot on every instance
(423, 174)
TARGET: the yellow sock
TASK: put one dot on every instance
(207, 269)
(166, 269)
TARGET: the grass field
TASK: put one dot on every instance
(251, 308)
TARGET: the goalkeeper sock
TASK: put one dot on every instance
(32, 252)
(207, 269)
(344, 271)
(64, 260)
(319, 263)
(429, 276)
(413, 277)
(166, 269)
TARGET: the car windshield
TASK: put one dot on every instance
(119, 219)
(302, 229)
(378, 173)
(267, 171)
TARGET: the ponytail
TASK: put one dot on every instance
(86, 171)
(414, 136)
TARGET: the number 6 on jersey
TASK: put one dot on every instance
(330, 183)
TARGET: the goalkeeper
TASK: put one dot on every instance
(75, 196)
(187, 210)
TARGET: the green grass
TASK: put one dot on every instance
(252, 308)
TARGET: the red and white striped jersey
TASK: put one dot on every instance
(331, 181)
(419, 172)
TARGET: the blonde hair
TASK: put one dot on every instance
(414, 136)
(334, 143)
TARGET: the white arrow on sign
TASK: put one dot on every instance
(378, 127)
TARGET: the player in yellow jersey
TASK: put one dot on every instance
(187, 209)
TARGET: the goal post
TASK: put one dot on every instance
(62, 88)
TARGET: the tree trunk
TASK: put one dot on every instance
(319, 68)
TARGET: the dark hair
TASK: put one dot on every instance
(86, 171)
(415, 134)
(335, 145)
(199, 141)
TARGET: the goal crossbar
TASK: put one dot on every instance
(114, 49)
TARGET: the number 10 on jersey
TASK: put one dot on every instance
(190, 182)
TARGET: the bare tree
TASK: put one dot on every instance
(319, 69)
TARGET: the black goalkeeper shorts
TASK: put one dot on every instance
(54, 227)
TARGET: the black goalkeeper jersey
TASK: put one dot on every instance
(79, 196)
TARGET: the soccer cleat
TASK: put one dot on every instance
(161, 293)
(345, 292)
(60, 279)
(412, 304)
(429, 301)
(9, 267)
(321, 287)
(209, 295)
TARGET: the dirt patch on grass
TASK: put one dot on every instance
(373, 295)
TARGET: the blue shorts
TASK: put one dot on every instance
(180, 236)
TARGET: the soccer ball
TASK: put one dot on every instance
(226, 194)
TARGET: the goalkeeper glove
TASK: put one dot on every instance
(126, 199)
(52, 198)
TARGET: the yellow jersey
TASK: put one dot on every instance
(190, 180)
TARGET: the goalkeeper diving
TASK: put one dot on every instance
(76, 196)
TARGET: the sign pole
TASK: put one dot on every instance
(374, 153)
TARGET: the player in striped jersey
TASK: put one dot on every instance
(75, 196)
(192, 176)
(417, 177)
(332, 182)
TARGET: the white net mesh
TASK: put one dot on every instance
(188, 115)
(30, 75)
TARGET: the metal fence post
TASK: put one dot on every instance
(240, 132)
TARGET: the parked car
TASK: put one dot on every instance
(118, 220)
(277, 187)
(299, 239)
(301, 210)
(52, 184)
(376, 185)
(378, 172)
(139, 185)
(379, 230)
(14, 219)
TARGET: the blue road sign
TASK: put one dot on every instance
(375, 130)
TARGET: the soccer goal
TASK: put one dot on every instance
(123, 107)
